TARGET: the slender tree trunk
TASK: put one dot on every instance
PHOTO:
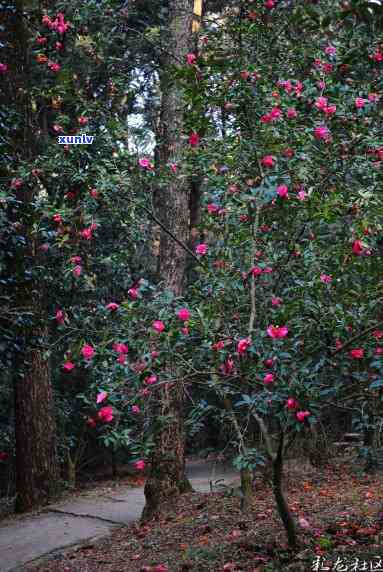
(280, 500)
(167, 476)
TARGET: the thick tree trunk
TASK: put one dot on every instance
(35, 428)
(167, 476)
(36, 467)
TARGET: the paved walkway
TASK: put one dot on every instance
(86, 518)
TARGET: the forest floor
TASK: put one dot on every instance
(341, 529)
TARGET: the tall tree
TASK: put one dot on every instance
(167, 477)
(35, 430)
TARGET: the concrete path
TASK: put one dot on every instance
(86, 518)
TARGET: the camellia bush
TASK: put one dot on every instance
(280, 325)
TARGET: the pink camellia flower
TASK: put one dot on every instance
(120, 348)
(75, 260)
(68, 366)
(377, 56)
(322, 133)
(112, 306)
(161, 568)
(243, 345)
(54, 67)
(101, 397)
(212, 208)
(158, 326)
(325, 278)
(266, 118)
(3, 456)
(173, 167)
(105, 414)
(93, 193)
(275, 114)
(183, 314)
(82, 120)
(60, 317)
(269, 4)
(283, 191)
(338, 344)
(57, 128)
(41, 40)
(357, 247)
(140, 465)
(327, 68)
(86, 233)
(227, 367)
(16, 183)
(378, 334)
(135, 409)
(57, 218)
(191, 59)
(121, 359)
(87, 351)
(218, 345)
(301, 195)
(267, 270)
(292, 113)
(154, 354)
(145, 163)
(330, 50)
(277, 332)
(151, 379)
(267, 161)
(256, 270)
(321, 103)
(356, 353)
(276, 301)
(301, 415)
(201, 249)
(268, 378)
(330, 109)
(133, 293)
(77, 270)
(3, 68)
(378, 351)
(360, 102)
(291, 403)
(194, 139)
(59, 46)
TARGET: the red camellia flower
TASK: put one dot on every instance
(357, 247)
(133, 293)
(158, 326)
(91, 422)
(3, 456)
(68, 366)
(291, 403)
(267, 161)
(243, 345)
(194, 139)
(60, 316)
(268, 378)
(120, 348)
(82, 120)
(191, 59)
(183, 314)
(301, 415)
(356, 353)
(57, 218)
(201, 249)
(112, 306)
(88, 351)
(378, 334)
(140, 465)
(151, 379)
(277, 331)
(105, 414)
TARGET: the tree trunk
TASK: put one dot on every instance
(280, 500)
(36, 466)
(35, 427)
(246, 488)
(167, 476)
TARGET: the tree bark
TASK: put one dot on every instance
(167, 477)
(280, 500)
(35, 427)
